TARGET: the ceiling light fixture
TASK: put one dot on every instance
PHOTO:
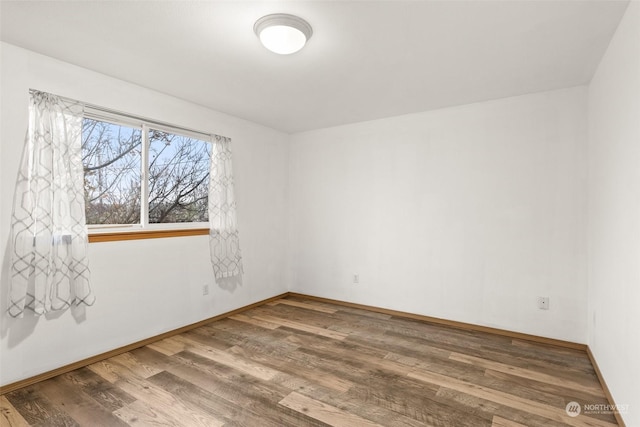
(283, 33)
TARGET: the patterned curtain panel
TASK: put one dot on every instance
(224, 241)
(49, 268)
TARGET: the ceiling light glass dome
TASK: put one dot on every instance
(282, 33)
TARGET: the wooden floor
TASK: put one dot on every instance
(298, 362)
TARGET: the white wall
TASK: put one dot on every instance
(143, 287)
(614, 214)
(467, 213)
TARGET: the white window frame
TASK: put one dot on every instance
(144, 126)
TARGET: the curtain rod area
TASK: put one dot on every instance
(147, 120)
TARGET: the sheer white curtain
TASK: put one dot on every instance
(49, 268)
(224, 240)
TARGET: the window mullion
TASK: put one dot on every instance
(144, 184)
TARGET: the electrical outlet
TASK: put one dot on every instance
(356, 278)
(205, 289)
(543, 303)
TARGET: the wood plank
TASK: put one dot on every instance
(477, 375)
(339, 308)
(406, 397)
(137, 367)
(256, 412)
(446, 322)
(168, 346)
(206, 337)
(565, 394)
(485, 408)
(81, 407)
(446, 367)
(105, 369)
(163, 404)
(250, 320)
(323, 412)
(153, 359)
(570, 360)
(9, 416)
(106, 394)
(304, 305)
(232, 332)
(141, 414)
(294, 367)
(528, 373)
(503, 398)
(523, 358)
(242, 365)
(503, 422)
(344, 358)
(389, 410)
(35, 408)
(302, 327)
(246, 400)
(167, 405)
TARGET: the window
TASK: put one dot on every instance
(112, 159)
(178, 178)
(144, 176)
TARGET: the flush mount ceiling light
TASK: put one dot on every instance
(282, 33)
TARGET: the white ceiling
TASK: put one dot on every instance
(366, 59)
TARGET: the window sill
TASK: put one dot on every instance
(145, 234)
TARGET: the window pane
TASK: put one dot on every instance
(178, 178)
(111, 156)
